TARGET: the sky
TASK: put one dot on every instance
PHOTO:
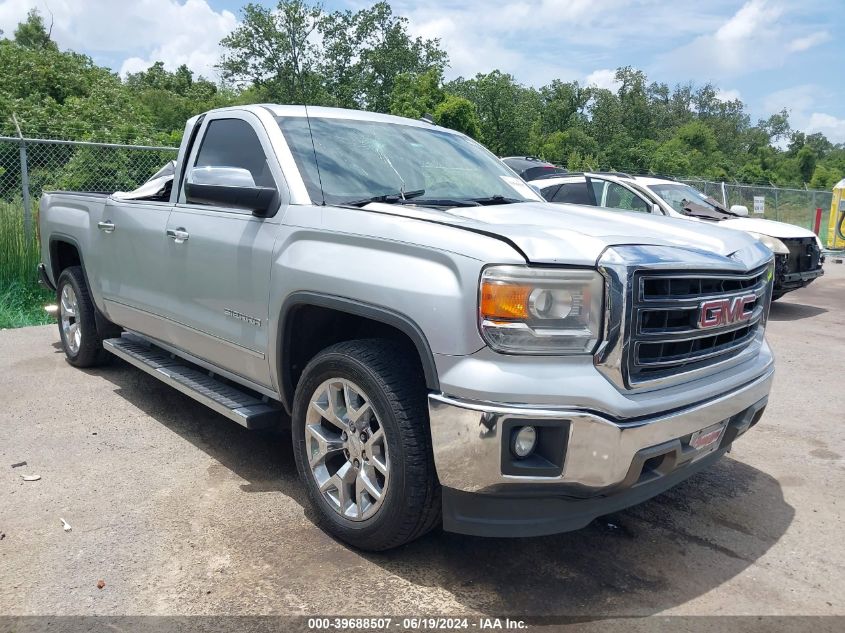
(773, 54)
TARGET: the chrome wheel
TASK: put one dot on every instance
(69, 315)
(347, 449)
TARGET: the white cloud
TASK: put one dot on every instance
(800, 101)
(752, 39)
(797, 99)
(603, 78)
(832, 127)
(541, 40)
(728, 95)
(135, 33)
(800, 44)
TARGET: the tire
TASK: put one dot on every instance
(82, 343)
(409, 505)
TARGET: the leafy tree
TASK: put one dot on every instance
(806, 159)
(416, 95)
(505, 110)
(33, 34)
(271, 49)
(387, 51)
(458, 114)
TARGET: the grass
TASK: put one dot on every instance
(23, 304)
(22, 300)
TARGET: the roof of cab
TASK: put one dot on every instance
(332, 113)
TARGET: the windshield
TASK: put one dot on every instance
(360, 160)
(689, 201)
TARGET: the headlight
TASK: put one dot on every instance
(773, 243)
(541, 310)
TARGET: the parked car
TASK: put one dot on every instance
(530, 167)
(442, 342)
(798, 252)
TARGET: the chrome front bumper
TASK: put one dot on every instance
(600, 455)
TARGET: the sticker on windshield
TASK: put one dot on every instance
(518, 185)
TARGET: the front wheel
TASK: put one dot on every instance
(362, 445)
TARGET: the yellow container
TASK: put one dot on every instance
(837, 208)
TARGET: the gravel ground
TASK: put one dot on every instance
(180, 511)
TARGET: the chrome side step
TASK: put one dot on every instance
(249, 410)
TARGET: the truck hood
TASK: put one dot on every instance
(577, 235)
(766, 227)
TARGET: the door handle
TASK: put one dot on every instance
(179, 235)
(106, 227)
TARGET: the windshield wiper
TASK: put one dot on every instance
(444, 202)
(497, 199)
(386, 198)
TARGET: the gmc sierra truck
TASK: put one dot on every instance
(445, 345)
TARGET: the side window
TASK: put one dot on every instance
(549, 192)
(618, 197)
(598, 190)
(233, 143)
(574, 193)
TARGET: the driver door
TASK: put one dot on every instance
(219, 256)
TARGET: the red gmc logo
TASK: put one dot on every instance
(719, 312)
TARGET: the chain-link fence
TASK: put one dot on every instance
(28, 167)
(794, 206)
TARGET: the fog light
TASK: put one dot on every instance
(523, 441)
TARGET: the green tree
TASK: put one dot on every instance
(271, 49)
(806, 163)
(33, 34)
(416, 95)
(506, 110)
(458, 114)
(388, 50)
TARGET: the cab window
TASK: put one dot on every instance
(233, 143)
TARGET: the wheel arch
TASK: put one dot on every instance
(65, 252)
(347, 319)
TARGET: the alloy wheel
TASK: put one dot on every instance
(346, 448)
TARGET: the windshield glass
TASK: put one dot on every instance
(689, 201)
(366, 159)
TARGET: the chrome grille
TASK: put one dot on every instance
(665, 337)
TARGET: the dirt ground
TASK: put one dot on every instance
(180, 511)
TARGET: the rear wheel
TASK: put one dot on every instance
(362, 445)
(82, 343)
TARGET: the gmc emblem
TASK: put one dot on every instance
(719, 312)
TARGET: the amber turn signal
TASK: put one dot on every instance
(503, 300)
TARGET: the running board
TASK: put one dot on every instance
(247, 409)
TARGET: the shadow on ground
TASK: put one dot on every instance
(793, 311)
(647, 559)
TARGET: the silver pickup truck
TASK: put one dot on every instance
(445, 345)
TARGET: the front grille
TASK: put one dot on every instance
(665, 335)
(804, 254)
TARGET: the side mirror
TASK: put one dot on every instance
(228, 187)
(656, 210)
(739, 209)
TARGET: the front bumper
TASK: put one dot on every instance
(598, 464)
(787, 281)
